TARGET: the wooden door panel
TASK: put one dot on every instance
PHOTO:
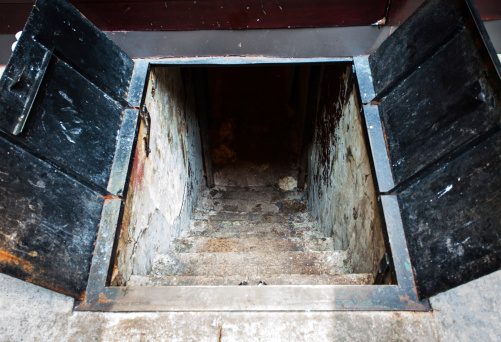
(444, 103)
(63, 96)
(437, 82)
(48, 222)
(452, 218)
(74, 124)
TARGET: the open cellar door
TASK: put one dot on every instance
(67, 126)
(437, 86)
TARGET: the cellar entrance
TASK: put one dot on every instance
(250, 175)
(97, 203)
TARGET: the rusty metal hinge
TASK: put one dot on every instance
(385, 270)
(145, 115)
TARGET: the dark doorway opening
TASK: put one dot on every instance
(256, 123)
(292, 199)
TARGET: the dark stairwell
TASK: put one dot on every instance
(293, 201)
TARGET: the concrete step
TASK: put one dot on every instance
(266, 194)
(245, 229)
(201, 244)
(262, 235)
(279, 279)
(244, 205)
(259, 206)
(251, 264)
(213, 215)
(263, 217)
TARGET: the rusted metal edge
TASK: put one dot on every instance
(254, 298)
(400, 253)
(245, 59)
(373, 124)
(102, 251)
(123, 151)
(378, 148)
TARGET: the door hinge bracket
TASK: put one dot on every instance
(385, 270)
(145, 115)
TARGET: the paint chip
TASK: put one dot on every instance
(446, 190)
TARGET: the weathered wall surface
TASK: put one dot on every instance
(163, 186)
(341, 189)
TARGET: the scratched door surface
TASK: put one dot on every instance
(438, 88)
(62, 99)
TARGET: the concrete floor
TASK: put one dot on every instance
(467, 313)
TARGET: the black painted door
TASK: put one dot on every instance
(437, 80)
(63, 97)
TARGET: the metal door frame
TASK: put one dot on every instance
(403, 296)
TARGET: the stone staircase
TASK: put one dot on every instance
(251, 236)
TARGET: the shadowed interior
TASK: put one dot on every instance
(262, 121)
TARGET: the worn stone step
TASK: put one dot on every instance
(244, 205)
(201, 244)
(251, 264)
(213, 215)
(255, 280)
(252, 200)
(266, 194)
(245, 229)
(263, 217)
(261, 235)
(259, 206)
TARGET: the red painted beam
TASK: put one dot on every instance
(170, 15)
(210, 14)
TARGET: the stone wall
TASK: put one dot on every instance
(342, 196)
(163, 186)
